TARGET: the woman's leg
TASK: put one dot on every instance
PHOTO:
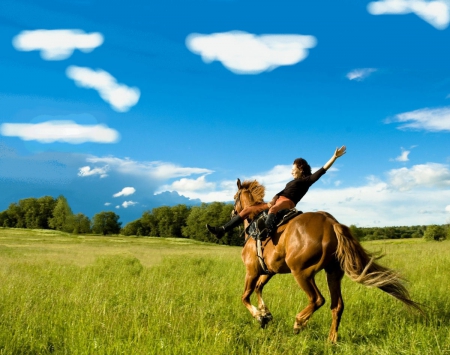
(247, 212)
(281, 204)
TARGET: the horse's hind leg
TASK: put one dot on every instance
(315, 298)
(266, 316)
(334, 277)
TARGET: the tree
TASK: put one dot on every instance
(356, 232)
(180, 214)
(81, 224)
(4, 219)
(195, 224)
(15, 216)
(46, 206)
(30, 210)
(434, 232)
(164, 218)
(62, 218)
(132, 228)
(106, 223)
(148, 224)
(215, 213)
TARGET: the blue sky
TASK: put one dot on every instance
(129, 106)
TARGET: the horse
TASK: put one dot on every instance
(307, 244)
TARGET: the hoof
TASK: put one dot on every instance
(333, 339)
(296, 331)
(264, 320)
(269, 317)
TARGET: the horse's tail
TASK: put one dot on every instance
(360, 266)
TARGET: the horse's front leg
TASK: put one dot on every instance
(266, 316)
(250, 283)
(255, 282)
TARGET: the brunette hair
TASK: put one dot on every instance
(303, 165)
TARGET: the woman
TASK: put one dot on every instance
(285, 199)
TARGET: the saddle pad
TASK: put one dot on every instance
(257, 228)
(286, 216)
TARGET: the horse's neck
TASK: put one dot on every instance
(247, 201)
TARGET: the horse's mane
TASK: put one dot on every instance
(256, 189)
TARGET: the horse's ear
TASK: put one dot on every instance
(239, 185)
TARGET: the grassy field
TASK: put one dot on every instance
(64, 294)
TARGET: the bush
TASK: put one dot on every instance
(435, 232)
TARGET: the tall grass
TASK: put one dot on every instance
(189, 301)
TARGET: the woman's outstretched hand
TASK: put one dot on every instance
(340, 151)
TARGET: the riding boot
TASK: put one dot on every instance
(271, 223)
(220, 231)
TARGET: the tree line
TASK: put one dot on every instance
(183, 221)
(49, 213)
(178, 221)
(428, 232)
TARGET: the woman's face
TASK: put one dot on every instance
(296, 172)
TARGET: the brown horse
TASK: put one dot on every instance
(307, 244)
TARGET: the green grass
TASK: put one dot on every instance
(65, 294)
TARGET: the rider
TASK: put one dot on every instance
(285, 199)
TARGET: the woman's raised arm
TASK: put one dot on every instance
(339, 152)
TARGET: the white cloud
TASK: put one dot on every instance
(376, 203)
(155, 170)
(246, 53)
(60, 131)
(107, 203)
(126, 191)
(185, 185)
(119, 96)
(128, 203)
(360, 74)
(57, 44)
(223, 192)
(434, 120)
(447, 208)
(430, 175)
(436, 13)
(403, 156)
(87, 171)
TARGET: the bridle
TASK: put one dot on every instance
(235, 212)
(236, 200)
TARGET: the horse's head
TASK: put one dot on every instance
(249, 193)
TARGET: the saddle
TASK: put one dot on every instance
(258, 231)
(257, 228)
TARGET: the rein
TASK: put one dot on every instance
(238, 199)
(257, 241)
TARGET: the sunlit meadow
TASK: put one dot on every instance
(65, 294)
